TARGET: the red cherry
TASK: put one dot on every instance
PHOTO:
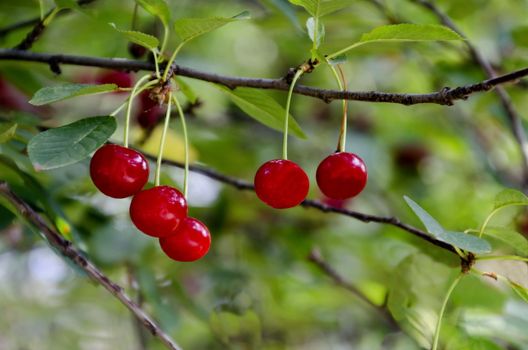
(118, 171)
(121, 79)
(150, 111)
(341, 175)
(190, 242)
(281, 183)
(158, 211)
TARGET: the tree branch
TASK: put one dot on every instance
(316, 257)
(446, 96)
(69, 251)
(308, 203)
(38, 27)
(513, 117)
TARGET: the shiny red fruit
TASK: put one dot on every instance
(118, 171)
(341, 175)
(158, 211)
(190, 242)
(281, 183)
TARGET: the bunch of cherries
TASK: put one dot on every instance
(281, 183)
(160, 211)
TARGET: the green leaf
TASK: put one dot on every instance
(509, 197)
(61, 92)
(71, 143)
(262, 108)
(145, 40)
(410, 32)
(66, 4)
(319, 36)
(7, 131)
(465, 241)
(319, 8)
(520, 290)
(429, 222)
(187, 90)
(510, 237)
(190, 28)
(158, 8)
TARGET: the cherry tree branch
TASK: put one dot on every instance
(68, 250)
(446, 96)
(314, 204)
(316, 258)
(513, 116)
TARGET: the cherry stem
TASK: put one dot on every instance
(185, 146)
(341, 141)
(143, 88)
(287, 116)
(171, 61)
(442, 310)
(162, 142)
(129, 108)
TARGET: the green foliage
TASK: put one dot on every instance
(191, 28)
(410, 32)
(61, 92)
(71, 143)
(145, 40)
(262, 108)
(320, 8)
(7, 131)
(509, 197)
(519, 289)
(158, 8)
(509, 237)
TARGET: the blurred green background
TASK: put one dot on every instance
(256, 288)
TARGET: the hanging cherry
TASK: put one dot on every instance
(190, 242)
(341, 175)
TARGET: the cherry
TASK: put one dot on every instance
(190, 242)
(158, 211)
(150, 111)
(118, 171)
(341, 175)
(121, 79)
(281, 183)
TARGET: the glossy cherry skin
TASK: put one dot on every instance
(118, 171)
(281, 184)
(190, 242)
(341, 175)
(158, 211)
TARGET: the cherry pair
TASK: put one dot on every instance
(161, 211)
(281, 183)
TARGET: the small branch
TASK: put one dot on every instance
(247, 186)
(512, 114)
(67, 249)
(446, 96)
(316, 257)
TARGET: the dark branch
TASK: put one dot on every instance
(512, 114)
(69, 251)
(446, 96)
(35, 22)
(244, 185)
(316, 257)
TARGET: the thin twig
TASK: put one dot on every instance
(308, 203)
(446, 96)
(512, 114)
(68, 250)
(316, 257)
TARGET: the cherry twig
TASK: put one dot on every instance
(316, 258)
(446, 96)
(68, 250)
